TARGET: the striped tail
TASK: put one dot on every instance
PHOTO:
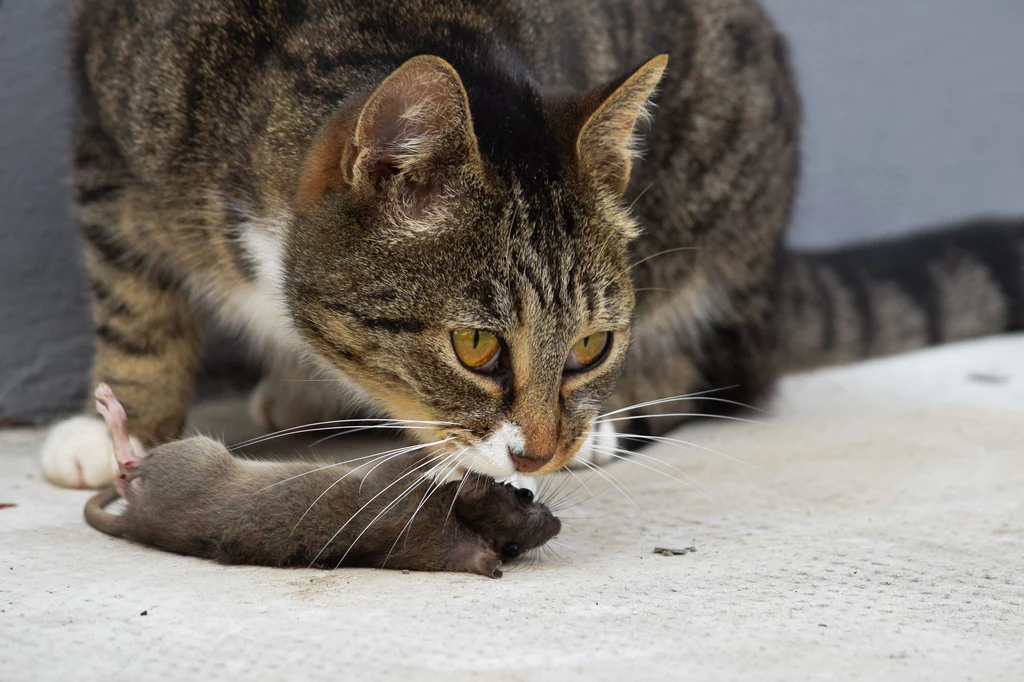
(933, 287)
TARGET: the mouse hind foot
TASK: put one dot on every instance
(117, 425)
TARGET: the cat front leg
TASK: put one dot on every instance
(292, 393)
(148, 343)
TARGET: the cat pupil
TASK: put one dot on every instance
(476, 338)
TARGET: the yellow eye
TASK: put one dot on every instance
(476, 348)
(588, 350)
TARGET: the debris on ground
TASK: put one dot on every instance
(986, 378)
(7, 505)
(668, 551)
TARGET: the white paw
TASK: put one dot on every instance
(77, 453)
(597, 447)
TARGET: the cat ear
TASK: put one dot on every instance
(606, 143)
(416, 120)
(414, 124)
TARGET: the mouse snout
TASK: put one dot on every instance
(547, 523)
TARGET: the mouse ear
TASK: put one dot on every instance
(475, 488)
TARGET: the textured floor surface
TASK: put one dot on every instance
(875, 530)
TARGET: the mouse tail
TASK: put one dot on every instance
(102, 520)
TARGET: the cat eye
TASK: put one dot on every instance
(476, 349)
(588, 351)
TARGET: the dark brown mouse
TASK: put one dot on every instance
(193, 497)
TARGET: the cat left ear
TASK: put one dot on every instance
(417, 119)
(606, 143)
(414, 124)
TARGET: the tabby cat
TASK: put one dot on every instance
(459, 213)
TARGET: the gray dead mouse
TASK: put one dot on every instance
(193, 497)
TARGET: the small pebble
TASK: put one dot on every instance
(986, 378)
(668, 551)
(405, 571)
(144, 613)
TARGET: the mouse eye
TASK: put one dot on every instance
(510, 550)
(525, 494)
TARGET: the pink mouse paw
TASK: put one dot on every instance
(117, 424)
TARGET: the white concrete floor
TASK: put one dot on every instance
(874, 531)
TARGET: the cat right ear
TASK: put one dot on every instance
(606, 142)
(413, 126)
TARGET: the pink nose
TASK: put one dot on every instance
(528, 465)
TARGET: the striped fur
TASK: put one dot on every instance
(230, 164)
(938, 286)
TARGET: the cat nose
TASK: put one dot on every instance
(526, 464)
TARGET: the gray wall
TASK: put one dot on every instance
(44, 343)
(914, 112)
(914, 115)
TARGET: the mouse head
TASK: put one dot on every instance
(508, 517)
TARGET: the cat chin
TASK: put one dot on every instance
(491, 456)
(77, 453)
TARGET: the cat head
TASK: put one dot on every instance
(464, 257)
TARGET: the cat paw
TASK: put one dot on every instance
(263, 410)
(597, 447)
(274, 406)
(78, 453)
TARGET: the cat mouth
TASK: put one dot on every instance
(502, 456)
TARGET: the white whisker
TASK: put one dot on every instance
(631, 460)
(659, 401)
(372, 457)
(458, 491)
(293, 430)
(685, 444)
(438, 483)
(685, 414)
(614, 482)
(563, 503)
(368, 502)
(662, 253)
(396, 453)
(631, 453)
(391, 505)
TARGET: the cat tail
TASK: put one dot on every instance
(941, 285)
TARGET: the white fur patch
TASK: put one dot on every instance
(77, 453)
(260, 309)
(491, 457)
(523, 481)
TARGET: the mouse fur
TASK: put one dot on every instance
(193, 497)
